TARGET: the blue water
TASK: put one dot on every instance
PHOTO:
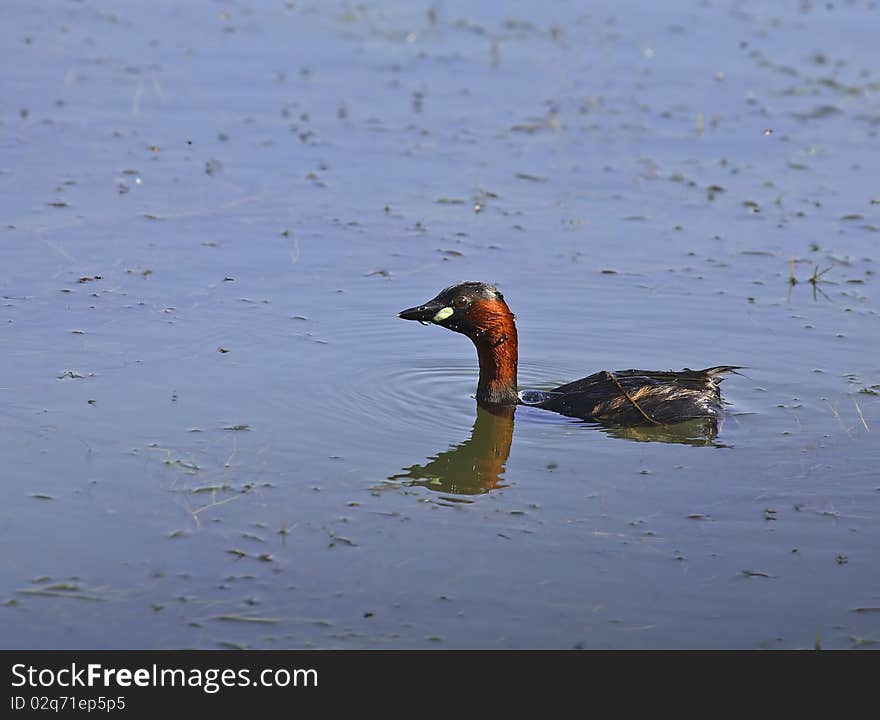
(216, 431)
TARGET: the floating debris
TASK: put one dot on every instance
(73, 374)
(531, 178)
(340, 539)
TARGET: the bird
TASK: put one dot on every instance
(624, 398)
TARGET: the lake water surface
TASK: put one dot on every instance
(217, 434)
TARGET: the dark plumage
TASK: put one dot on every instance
(638, 397)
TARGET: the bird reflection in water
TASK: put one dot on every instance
(477, 465)
(699, 432)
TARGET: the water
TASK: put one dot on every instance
(217, 433)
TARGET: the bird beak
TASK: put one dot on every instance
(431, 311)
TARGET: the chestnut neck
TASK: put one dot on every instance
(496, 343)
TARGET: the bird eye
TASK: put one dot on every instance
(461, 302)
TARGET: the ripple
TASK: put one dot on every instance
(427, 379)
(422, 395)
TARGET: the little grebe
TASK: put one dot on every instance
(625, 397)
